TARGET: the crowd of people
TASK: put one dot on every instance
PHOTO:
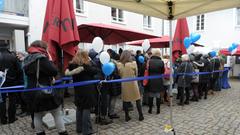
(36, 69)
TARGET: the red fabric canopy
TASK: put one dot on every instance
(60, 30)
(181, 32)
(110, 34)
(162, 42)
(226, 52)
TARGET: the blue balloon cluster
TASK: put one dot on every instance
(213, 53)
(108, 68)
(232, 47)
(141, 59)
(194, 37)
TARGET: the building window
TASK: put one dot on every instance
(238, 16)
(117, 15)
(200, 22)
(79, 6)
(147, 21)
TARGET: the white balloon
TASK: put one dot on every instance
(104, 57)
(146, 45)
(234, 51)
(190, 49)
(97, 44)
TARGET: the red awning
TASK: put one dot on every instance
(110, 34)
(162, 42)
(60, 30)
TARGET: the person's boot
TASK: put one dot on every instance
(127, 117)
(158, 105)
(150, 110)
(105, 120)
(139, 108)
(41, 133)
(63, 133)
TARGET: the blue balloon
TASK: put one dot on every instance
(230, 49)
(108, 68)
(187, 42)
(141, 59)
(213, 53)
(195, 37)
(234, 45)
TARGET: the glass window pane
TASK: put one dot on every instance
(120, 15)
(114, 12)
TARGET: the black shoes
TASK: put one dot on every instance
(150, 110)
(141, 118)
(103, 121)
(127, 118)
(114, 116)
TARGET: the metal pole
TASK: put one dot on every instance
(171, 72)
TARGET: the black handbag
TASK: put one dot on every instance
(44, 93)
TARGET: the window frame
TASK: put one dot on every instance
(200, 22)
(148, 19)
(117, 17)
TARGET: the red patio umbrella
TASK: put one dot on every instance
(181, 32)
(161, 42)
(227, 53)
(110, 34)
(60, 30)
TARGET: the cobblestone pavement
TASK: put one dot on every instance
(218, 115)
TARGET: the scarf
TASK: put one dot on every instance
(34, 49)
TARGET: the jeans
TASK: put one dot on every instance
(83, 121)
(11, 107)
(58, 118)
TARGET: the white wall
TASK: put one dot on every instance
(94, 14)
(220, 28)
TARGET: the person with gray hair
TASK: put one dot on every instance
(184, 79)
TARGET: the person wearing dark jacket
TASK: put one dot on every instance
(197, 64)
(204, 78)
(155, 86)
(83, 69)
(184, 80)
(9, 62)
(39, 69)
(105, 92)
(215, 62)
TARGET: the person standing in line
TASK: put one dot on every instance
(82, 68)
(155, 86)
(9, 62)
(184, 80)
(40, 71)
(130, 90)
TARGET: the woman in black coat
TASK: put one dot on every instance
(83, 69)
(155, 86)
(39, 102)
(184, 79)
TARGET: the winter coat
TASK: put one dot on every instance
(205, 78)
(184, 80)
(47, 71)
(130, 90)
(197, 65)
(215, 62)
(156, 67)
(9, 61)
(85, 96)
